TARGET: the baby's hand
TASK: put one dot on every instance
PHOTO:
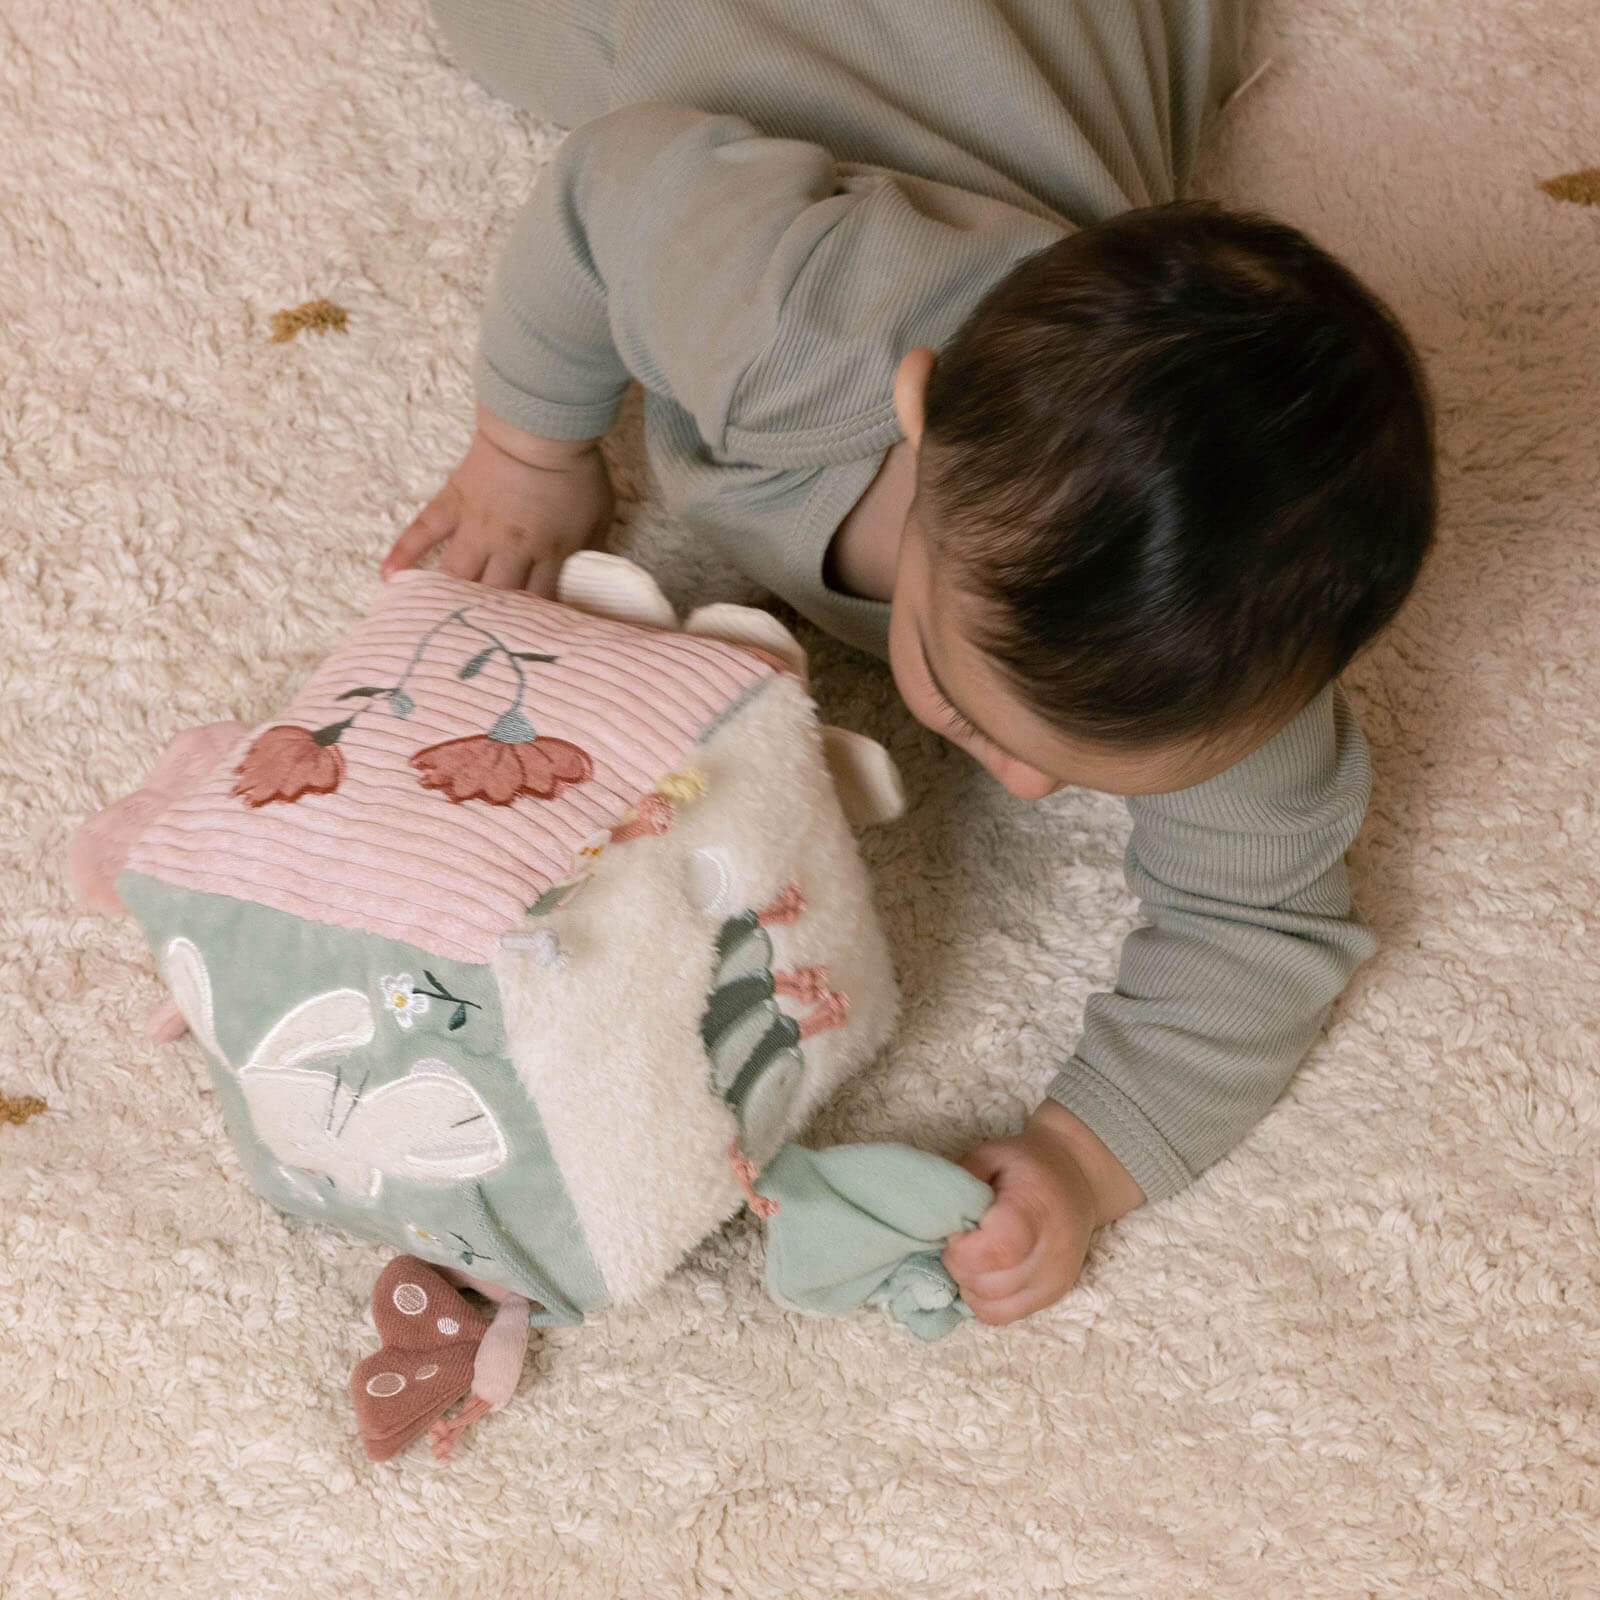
(1054, 1184)
(513, 511)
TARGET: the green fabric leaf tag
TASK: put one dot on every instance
(863, 1224)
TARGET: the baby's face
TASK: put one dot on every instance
(951, 686)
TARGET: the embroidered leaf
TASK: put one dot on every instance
(351, 694)
(401, 703)
(1581, 188)
(533, 655)
(512, 728)
(548, 901)
(477, 663)
(323, 737)
(458, 1018)
(444, 993)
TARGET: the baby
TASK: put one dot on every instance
(1117, 483)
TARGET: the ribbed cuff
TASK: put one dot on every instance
(549, 419)
(1122, 1127)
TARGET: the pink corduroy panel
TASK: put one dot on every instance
(382, 853)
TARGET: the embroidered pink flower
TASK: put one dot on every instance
(284, 763)
(481, 767)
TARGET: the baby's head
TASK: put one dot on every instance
(1172, 474)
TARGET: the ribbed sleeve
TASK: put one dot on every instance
(1251, 937)
(746, 280)
(546, 359)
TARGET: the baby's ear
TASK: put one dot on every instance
(865, 775)
(611, 586)
(752, 627)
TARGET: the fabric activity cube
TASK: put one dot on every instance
(526, 939)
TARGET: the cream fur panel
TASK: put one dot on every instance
(607, 1040)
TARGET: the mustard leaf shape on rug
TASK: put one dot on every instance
(1580, 188)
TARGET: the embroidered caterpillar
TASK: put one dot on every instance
(752, 1044)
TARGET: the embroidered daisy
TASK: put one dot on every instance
(402, 999)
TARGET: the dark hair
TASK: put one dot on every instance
(1185, 461)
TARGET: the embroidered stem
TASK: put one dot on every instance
(476, 664)
(440, 992)
(402, 705)
(468, 1255)
(511, 726)
(355, 1100)
(422, 644)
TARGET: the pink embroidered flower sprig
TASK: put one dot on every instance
(285, 762)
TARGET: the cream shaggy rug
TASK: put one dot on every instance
(1358, 1359)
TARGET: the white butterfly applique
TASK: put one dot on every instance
(431, 1126)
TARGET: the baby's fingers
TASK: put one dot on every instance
(987, 1161)
(542, 577)
(507, 567)
(999, 1247)
(431, 526)
(1001, 1309)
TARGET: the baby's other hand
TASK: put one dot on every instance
(1054, 1184)
(514, 509)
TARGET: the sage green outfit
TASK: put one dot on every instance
(763, 205)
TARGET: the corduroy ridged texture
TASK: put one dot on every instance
(384, 854)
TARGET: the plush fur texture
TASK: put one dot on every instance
(1356, 1360)
(640, 1140)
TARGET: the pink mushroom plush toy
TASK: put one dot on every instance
(525, 940)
